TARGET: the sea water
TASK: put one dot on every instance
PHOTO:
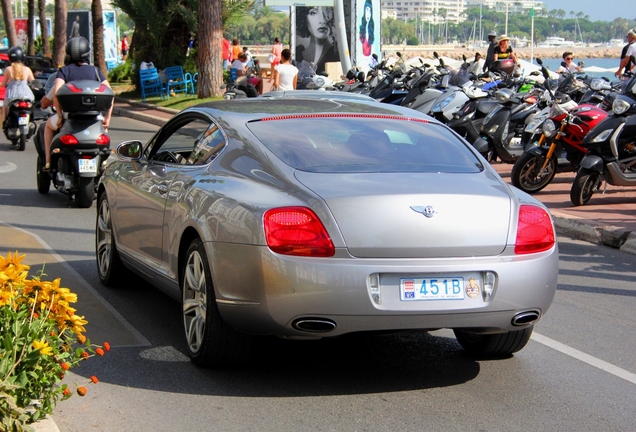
(606, 63)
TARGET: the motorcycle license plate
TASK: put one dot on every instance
(23, 121)
(439, 288)
(88, 165)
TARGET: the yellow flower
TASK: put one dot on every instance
(43, 347)
(14, 260)
(76, 324)
(5, 297)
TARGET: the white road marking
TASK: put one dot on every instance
(586, 358)
(6, 167)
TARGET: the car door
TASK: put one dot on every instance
(143, 189)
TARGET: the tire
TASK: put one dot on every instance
(493, 345)
(110, 268)
(84, 196)
(585, 184)
(21, 142)
(43, 179)
(527, 175)
(210, 342)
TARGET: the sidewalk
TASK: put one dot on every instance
(608, 219)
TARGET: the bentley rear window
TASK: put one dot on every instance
(365, 144)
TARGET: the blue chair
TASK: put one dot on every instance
(189, 78)
(176, 80)
(150, 84)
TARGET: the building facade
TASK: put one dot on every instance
(434, 11)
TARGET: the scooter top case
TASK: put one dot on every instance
(85, 97)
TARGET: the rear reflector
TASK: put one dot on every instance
(296, 231)
(24, 104)
(535, 232)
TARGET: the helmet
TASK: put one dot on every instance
(16, 54)
(78, 49)
(492, 34)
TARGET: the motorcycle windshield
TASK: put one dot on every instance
(457, 78)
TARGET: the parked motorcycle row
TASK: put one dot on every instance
(540, 125)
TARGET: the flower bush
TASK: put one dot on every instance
(41, 337)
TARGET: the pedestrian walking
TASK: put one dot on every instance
(274, 57)
(285, 74)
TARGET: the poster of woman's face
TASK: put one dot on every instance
(368, 37)
(315, 31)
(21, 30)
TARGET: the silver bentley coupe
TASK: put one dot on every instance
(312, 218)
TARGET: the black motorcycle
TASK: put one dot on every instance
(81, 147)
(611, 149)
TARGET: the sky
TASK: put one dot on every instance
(598, 10)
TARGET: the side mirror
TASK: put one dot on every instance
(435, 54)
(399, 54)
(564, 64)
(464, 57)
(539, 61)
(130, 149)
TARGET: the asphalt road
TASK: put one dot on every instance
(577, 373)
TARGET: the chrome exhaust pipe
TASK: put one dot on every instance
(525, 318)
(314, 325)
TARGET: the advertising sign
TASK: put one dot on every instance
(367, 40)
(22, 31)
(110, 36)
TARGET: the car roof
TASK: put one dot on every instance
(247, 109)
(317, 94)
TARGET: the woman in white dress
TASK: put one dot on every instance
(16, 79)
(286, 76)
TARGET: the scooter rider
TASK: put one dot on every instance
(79, 52)
(490, 55)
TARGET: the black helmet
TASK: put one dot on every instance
(16, 54)
(78, 49)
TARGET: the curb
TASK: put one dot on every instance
(593, 232)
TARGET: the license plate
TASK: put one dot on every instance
(23, 121)
(88, 165)
(437, 288)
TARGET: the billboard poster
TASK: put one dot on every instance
(314, 35)
(22, 31)
(78, 23)
(110, 36)
(367, 40)
(38, 29)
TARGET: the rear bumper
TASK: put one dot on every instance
(265, 293)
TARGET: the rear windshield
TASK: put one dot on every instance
(365, 144)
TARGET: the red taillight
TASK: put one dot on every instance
(534, 231)
(73, 88)
(101, 89)
(296, 231)
(68, 140)
(24, 104)
(103, 139)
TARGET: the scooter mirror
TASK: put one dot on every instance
(435, 54)
(464, 57)
(399, 54)
(539, 61)
(564, 64)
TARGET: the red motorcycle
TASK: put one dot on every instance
(559, 147)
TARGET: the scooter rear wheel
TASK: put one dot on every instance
(584, 186)
(527, 174)
(43, 179)
(85, 194)
(22, 142)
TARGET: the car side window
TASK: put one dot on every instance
(177, 141)
(207, 146)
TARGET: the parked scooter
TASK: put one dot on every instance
(611, 147)
(559, 147)
(502, 129)
(81, 146)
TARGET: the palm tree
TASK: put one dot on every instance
(59, 37)
(44, 28)
(9, 25)
(98, 36)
